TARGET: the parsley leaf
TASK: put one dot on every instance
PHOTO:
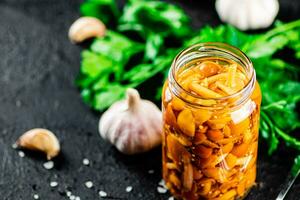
(106, 10)
(155, 17)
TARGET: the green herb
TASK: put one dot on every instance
(147, 36)
(154, 17)
(106, 10)
(118, 61)
(296, 167)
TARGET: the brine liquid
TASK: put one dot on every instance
(210, 153)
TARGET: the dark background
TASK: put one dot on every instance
(38, 66)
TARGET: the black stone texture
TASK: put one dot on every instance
(38, 66)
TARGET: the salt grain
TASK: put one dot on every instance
(86, 161)
(35, 196)
(53, 184)
(69, 193)
(72, 197)
(171, 198)
(151, 171)
(89, 184)
(77, 198)
(21, 154)
(14, 145)
(161, 190)
(129, 188)
(48, 165)
(102, 194)
(162, 183)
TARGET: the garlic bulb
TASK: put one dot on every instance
(132, 125)
(248, 14)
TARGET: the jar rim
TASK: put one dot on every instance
(226, 49)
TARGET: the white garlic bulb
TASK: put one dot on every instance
(133, 125)
(248, 14)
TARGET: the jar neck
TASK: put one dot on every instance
(209, 50)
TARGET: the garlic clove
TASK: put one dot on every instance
(133, 125)
(41, 140)
(85, 28)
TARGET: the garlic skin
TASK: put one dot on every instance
(132, 125)
(248, 14)
(41, 140)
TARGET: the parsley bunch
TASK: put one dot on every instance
(144, 39)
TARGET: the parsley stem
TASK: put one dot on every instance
(293, 142)
(280, 29)
(278, 104)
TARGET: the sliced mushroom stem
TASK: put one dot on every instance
(232, 73)
(203, 91)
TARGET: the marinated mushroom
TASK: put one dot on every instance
(208, 154)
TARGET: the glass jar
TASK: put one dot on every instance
(211, 106)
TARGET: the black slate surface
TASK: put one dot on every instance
(37, 70)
